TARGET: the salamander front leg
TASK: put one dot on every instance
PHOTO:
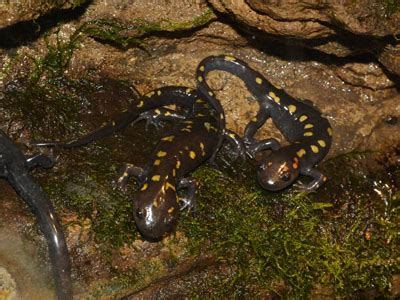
(267, 144)
(127, 171)
(188, 202)
(318, 180)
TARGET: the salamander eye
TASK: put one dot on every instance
(140, 213)
(285, 176)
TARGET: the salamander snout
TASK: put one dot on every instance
(277, 172)
(156, 217)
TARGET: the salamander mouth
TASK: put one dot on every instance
(155, 234)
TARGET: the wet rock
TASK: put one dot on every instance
(12, 12)
(7, 285)
(364, 75)
(390, 58)
(341, 29)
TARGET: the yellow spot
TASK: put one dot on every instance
(167, 113)
(186, 129)
(292, 108)
(173, 172)
(229, 58)
(322, 143)
(178, 164)
(157, 111)
(169, 138)
(155, 203)
(140, 104)
(171, 210)
(113, 123)
(170, 186)
(301, 152)
(155, 178)
(209, 127)
(314, 149)
(161, 154)
(192, 154)
(188, 122)
(158, 92)
(303, 118)
(188, 91)
(308, 126)
(199, 115)
(157, 162)
(221, 116)
(329, 130)
(211, 93)
(200, 78)
(324, 179)
(275, 97)
(150, 94)
(144, 187)
(199, 101)
(232, 135)
(258, 80)
(254, 119)
(201, 68)
(308, 133)
(202, 149)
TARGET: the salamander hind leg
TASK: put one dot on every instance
(188, 201)
(157, 116)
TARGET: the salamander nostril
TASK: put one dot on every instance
(140, 213)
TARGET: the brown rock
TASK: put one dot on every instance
(12, 12)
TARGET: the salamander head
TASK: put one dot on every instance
(156, 210)
(278, 171)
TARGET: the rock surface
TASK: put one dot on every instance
(343, 57)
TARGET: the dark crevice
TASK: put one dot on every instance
(25, 32)
(364, 48)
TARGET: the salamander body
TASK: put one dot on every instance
(309, 133)
(192, 142)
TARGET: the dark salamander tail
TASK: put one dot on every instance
(152, 100)
(46, 216)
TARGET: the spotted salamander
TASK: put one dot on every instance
(195, 139)
(309, 133)
(14, 167)
(192, 142)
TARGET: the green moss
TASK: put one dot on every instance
(43, 100)
(131, 34)
(346, 245)
(391, 6)
(84, 185)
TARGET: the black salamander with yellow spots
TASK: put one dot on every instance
(192, 142)
(195, 139)
(309, 133)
